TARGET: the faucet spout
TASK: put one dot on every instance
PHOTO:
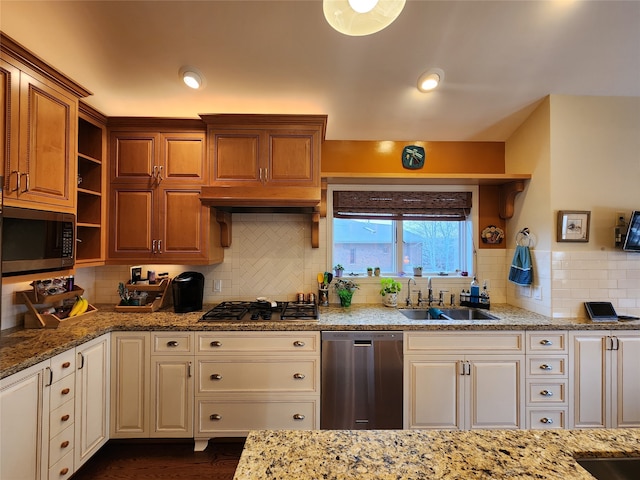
(409, 302)
(430, 292)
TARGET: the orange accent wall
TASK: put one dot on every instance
(360, 156)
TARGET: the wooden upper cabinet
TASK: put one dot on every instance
(236, 157)
(183, 160)
(133, 157)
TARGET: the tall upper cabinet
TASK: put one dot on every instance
(40, 111)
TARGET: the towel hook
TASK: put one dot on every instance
(522, 236)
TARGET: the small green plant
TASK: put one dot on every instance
(389, 285)
(369, 269)
(338, 267)
(345, 290)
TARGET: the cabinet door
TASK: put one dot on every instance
(434, 392)
(134, 157)
(183, 159)
(130, 384)
(172, 396)
(24, 420)
(495, 392)
(236, 158)
(588, 379)
(92, 398)
(133, 224)
(184, 225)
(293, 160)
(9, 126)
(625, 380)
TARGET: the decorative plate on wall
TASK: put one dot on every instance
(413, 157)
(492, 234)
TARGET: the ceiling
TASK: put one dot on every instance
(500, 59)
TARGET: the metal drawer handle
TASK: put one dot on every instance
(298, 343)
(546, 342)
(298, 376)
(546, 393)
(216, 376)
(216, 343)
(64, 444)
(298, 416)
(64, 471)
(66, 364)
(546, 367)
(65, 391)
(546, 420)
(64, 418)
(215, 416)
(172, 343)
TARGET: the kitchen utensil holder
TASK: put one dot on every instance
(159, 296)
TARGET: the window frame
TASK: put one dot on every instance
(473, 216)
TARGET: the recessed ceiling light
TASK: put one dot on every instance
(361, 17)
(430, 79)
(192, 77)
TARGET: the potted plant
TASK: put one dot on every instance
(345, 290)
(417, 271)
(376, 271)
(389, 291)
(338, 269)
(369, 271)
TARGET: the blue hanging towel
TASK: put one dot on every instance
(521, 271)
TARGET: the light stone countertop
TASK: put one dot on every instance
(429, 454)
(22, 348)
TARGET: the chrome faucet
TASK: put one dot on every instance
(430, 293)
(409, 302)
(441, 298)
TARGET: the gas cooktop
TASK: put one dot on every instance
(260, 311)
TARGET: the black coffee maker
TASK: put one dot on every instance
(188, 290)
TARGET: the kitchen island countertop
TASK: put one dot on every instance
(21, 348)
(433, 455)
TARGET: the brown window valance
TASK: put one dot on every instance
(447, 206)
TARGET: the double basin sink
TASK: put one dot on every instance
(447, 314)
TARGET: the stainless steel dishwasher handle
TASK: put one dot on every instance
(362, 343)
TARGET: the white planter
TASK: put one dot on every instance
(390, 300)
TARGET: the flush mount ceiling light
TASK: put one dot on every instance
(430, 80)
(361, 17)
(192, 77)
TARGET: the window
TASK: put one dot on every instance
(399, 230)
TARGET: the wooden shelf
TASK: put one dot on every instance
(161, 299)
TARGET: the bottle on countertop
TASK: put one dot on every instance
(475, 290)
(484, 296)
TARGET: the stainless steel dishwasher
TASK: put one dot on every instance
(361, 380)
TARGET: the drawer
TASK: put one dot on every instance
(258, 342)
(61, 444)
(240, 415)
(63, 469)
(60, 418)
(62, 391)
(273, 375)
(477, 342)
(547, 365)
(547, 419)
(172, 342)
(552, 342)
(547, 393)
(63, 364)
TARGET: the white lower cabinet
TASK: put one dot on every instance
(256, 380)
(605, 379)
(456, 380)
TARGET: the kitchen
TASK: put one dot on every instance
(553, 143)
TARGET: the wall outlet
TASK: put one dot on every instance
(217, 286)
(525, 291)
(620, 218)
(537, 292)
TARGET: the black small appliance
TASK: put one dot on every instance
(188, 290)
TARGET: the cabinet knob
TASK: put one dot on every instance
(546, 367)
(298, 376)
(546, 342)
(64, 418)
(216, 343)
(66, 364)
(215, 416)
(172, 343)
(216, 376)
(298, 343)
(546, 393)
(65, 391)
(298, 416)
(64, 471)
(64, 444)
(546, 420)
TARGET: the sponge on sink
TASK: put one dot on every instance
(435, 312)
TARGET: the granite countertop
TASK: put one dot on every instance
(22, 348)
(429, 454)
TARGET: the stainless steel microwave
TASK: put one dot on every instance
(36, 241)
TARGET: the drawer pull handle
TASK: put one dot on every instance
(546, 342)
(215, 416)
(298, 343)
(65, 391)
(64, 444)
(546, 393)
(298, 376)
(172, 343)
(66, 364)
(216, 376)
(546, 420)
(546, 367)
(64, 471)
(298, 416)
(216, 343)
(64, 418)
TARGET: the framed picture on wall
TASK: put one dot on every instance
(573, 226)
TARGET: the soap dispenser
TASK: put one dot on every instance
(475, 290)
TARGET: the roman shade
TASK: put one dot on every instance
(442, 206)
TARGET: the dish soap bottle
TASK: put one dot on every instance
(475, 290)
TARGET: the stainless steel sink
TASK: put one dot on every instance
(612, 468)
(448, 314)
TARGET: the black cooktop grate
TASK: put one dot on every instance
(242, 310)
